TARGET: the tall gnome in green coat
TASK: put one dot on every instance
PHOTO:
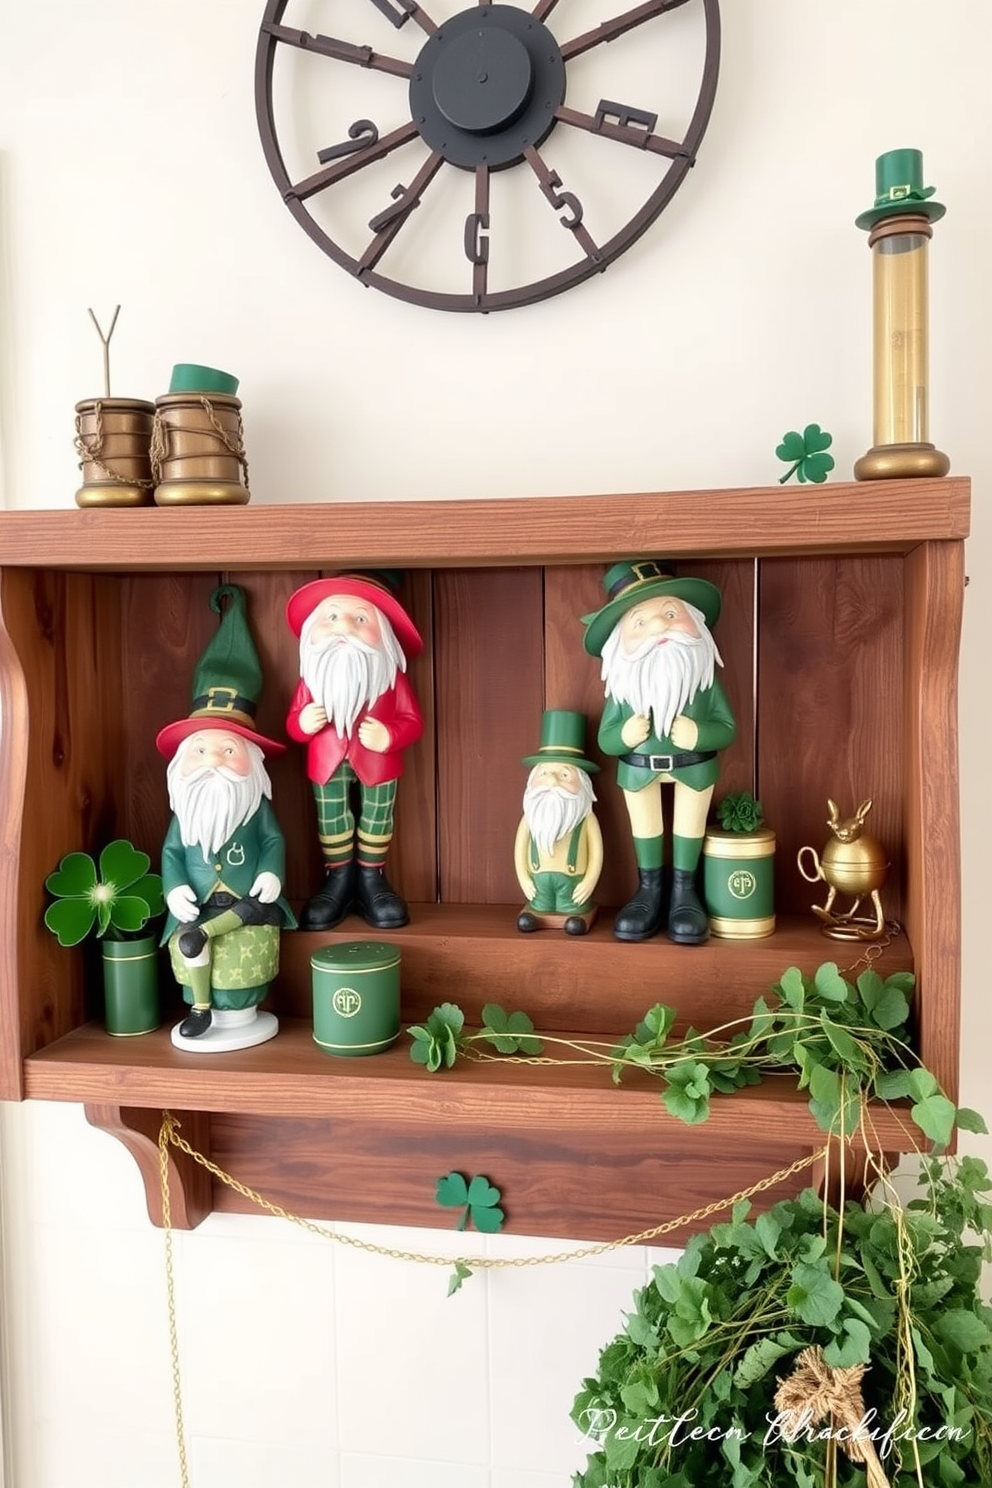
(223, 861)
(666, 720)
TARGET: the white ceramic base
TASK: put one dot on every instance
(230, 1030)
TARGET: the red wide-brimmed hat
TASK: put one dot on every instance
(372, 588)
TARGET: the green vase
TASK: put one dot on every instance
(130, 986)
(356, 997)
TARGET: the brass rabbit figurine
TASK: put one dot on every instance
(853, 862)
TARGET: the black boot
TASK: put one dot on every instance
(688, 923)
(641, 917)
(378, 902)
(332, 901)
(196, 1022)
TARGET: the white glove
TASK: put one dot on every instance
(267, 888)
(183, 903)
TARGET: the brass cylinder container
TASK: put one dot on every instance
(900, 353)
(113, 441)
(198, 455)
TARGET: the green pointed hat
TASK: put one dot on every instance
(899, 190)
(563, 741)
(630, 582)
(227, 681)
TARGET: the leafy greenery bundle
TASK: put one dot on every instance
(691, 1392)
(844, 1040)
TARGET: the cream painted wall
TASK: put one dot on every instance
(130, 172)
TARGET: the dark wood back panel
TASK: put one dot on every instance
(830, 722)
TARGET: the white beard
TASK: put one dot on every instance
(552, 813)
(211, 804)
(346, 676)
(661, 681)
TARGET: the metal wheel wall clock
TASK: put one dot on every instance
(489, 157)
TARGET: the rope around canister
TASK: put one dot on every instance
(90, 453)
(161, 427)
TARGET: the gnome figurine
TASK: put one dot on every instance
(558, 852)
(666, 720)
(356, 712)
(223, 861)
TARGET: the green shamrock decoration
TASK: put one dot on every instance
(477, 1199)
(118, 901)
(806, 452)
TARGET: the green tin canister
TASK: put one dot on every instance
(356, 997)
(130, 986)
(739, 882)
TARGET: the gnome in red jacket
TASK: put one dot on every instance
(355, 710)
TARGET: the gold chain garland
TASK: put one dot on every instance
(169, 1137)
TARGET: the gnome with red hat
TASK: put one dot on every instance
(355, 710)
(223, 861)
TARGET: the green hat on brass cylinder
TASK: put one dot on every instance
(227, 680)
(187, 377)
(630, 582)
(563, 741)
(899, 190)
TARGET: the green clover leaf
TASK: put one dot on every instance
(477, 1199)
(438, 1041)
(804, 453)
(121, 897)
(509, 1033)
(460, 1274)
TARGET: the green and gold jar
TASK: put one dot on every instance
(356, 997)
(739, 882)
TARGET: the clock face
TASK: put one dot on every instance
(478, 157)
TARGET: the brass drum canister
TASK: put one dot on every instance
(198, 452)
(113, 441)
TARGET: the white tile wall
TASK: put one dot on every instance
(304, 1363)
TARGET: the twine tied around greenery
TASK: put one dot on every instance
(815, 1392)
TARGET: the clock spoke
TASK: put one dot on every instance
(543, 8)
(610, 30)
(341, 51)
(351, 163)
(477, 246)
(386, 224)
(631, 127)
(398, 12)
(565, 202)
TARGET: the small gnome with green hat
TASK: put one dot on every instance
(666, 720)
(558, 852)
(223, 861)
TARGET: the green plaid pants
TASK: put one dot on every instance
(336, 818)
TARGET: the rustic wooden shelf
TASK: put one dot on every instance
(842, 609)
(876, 516)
